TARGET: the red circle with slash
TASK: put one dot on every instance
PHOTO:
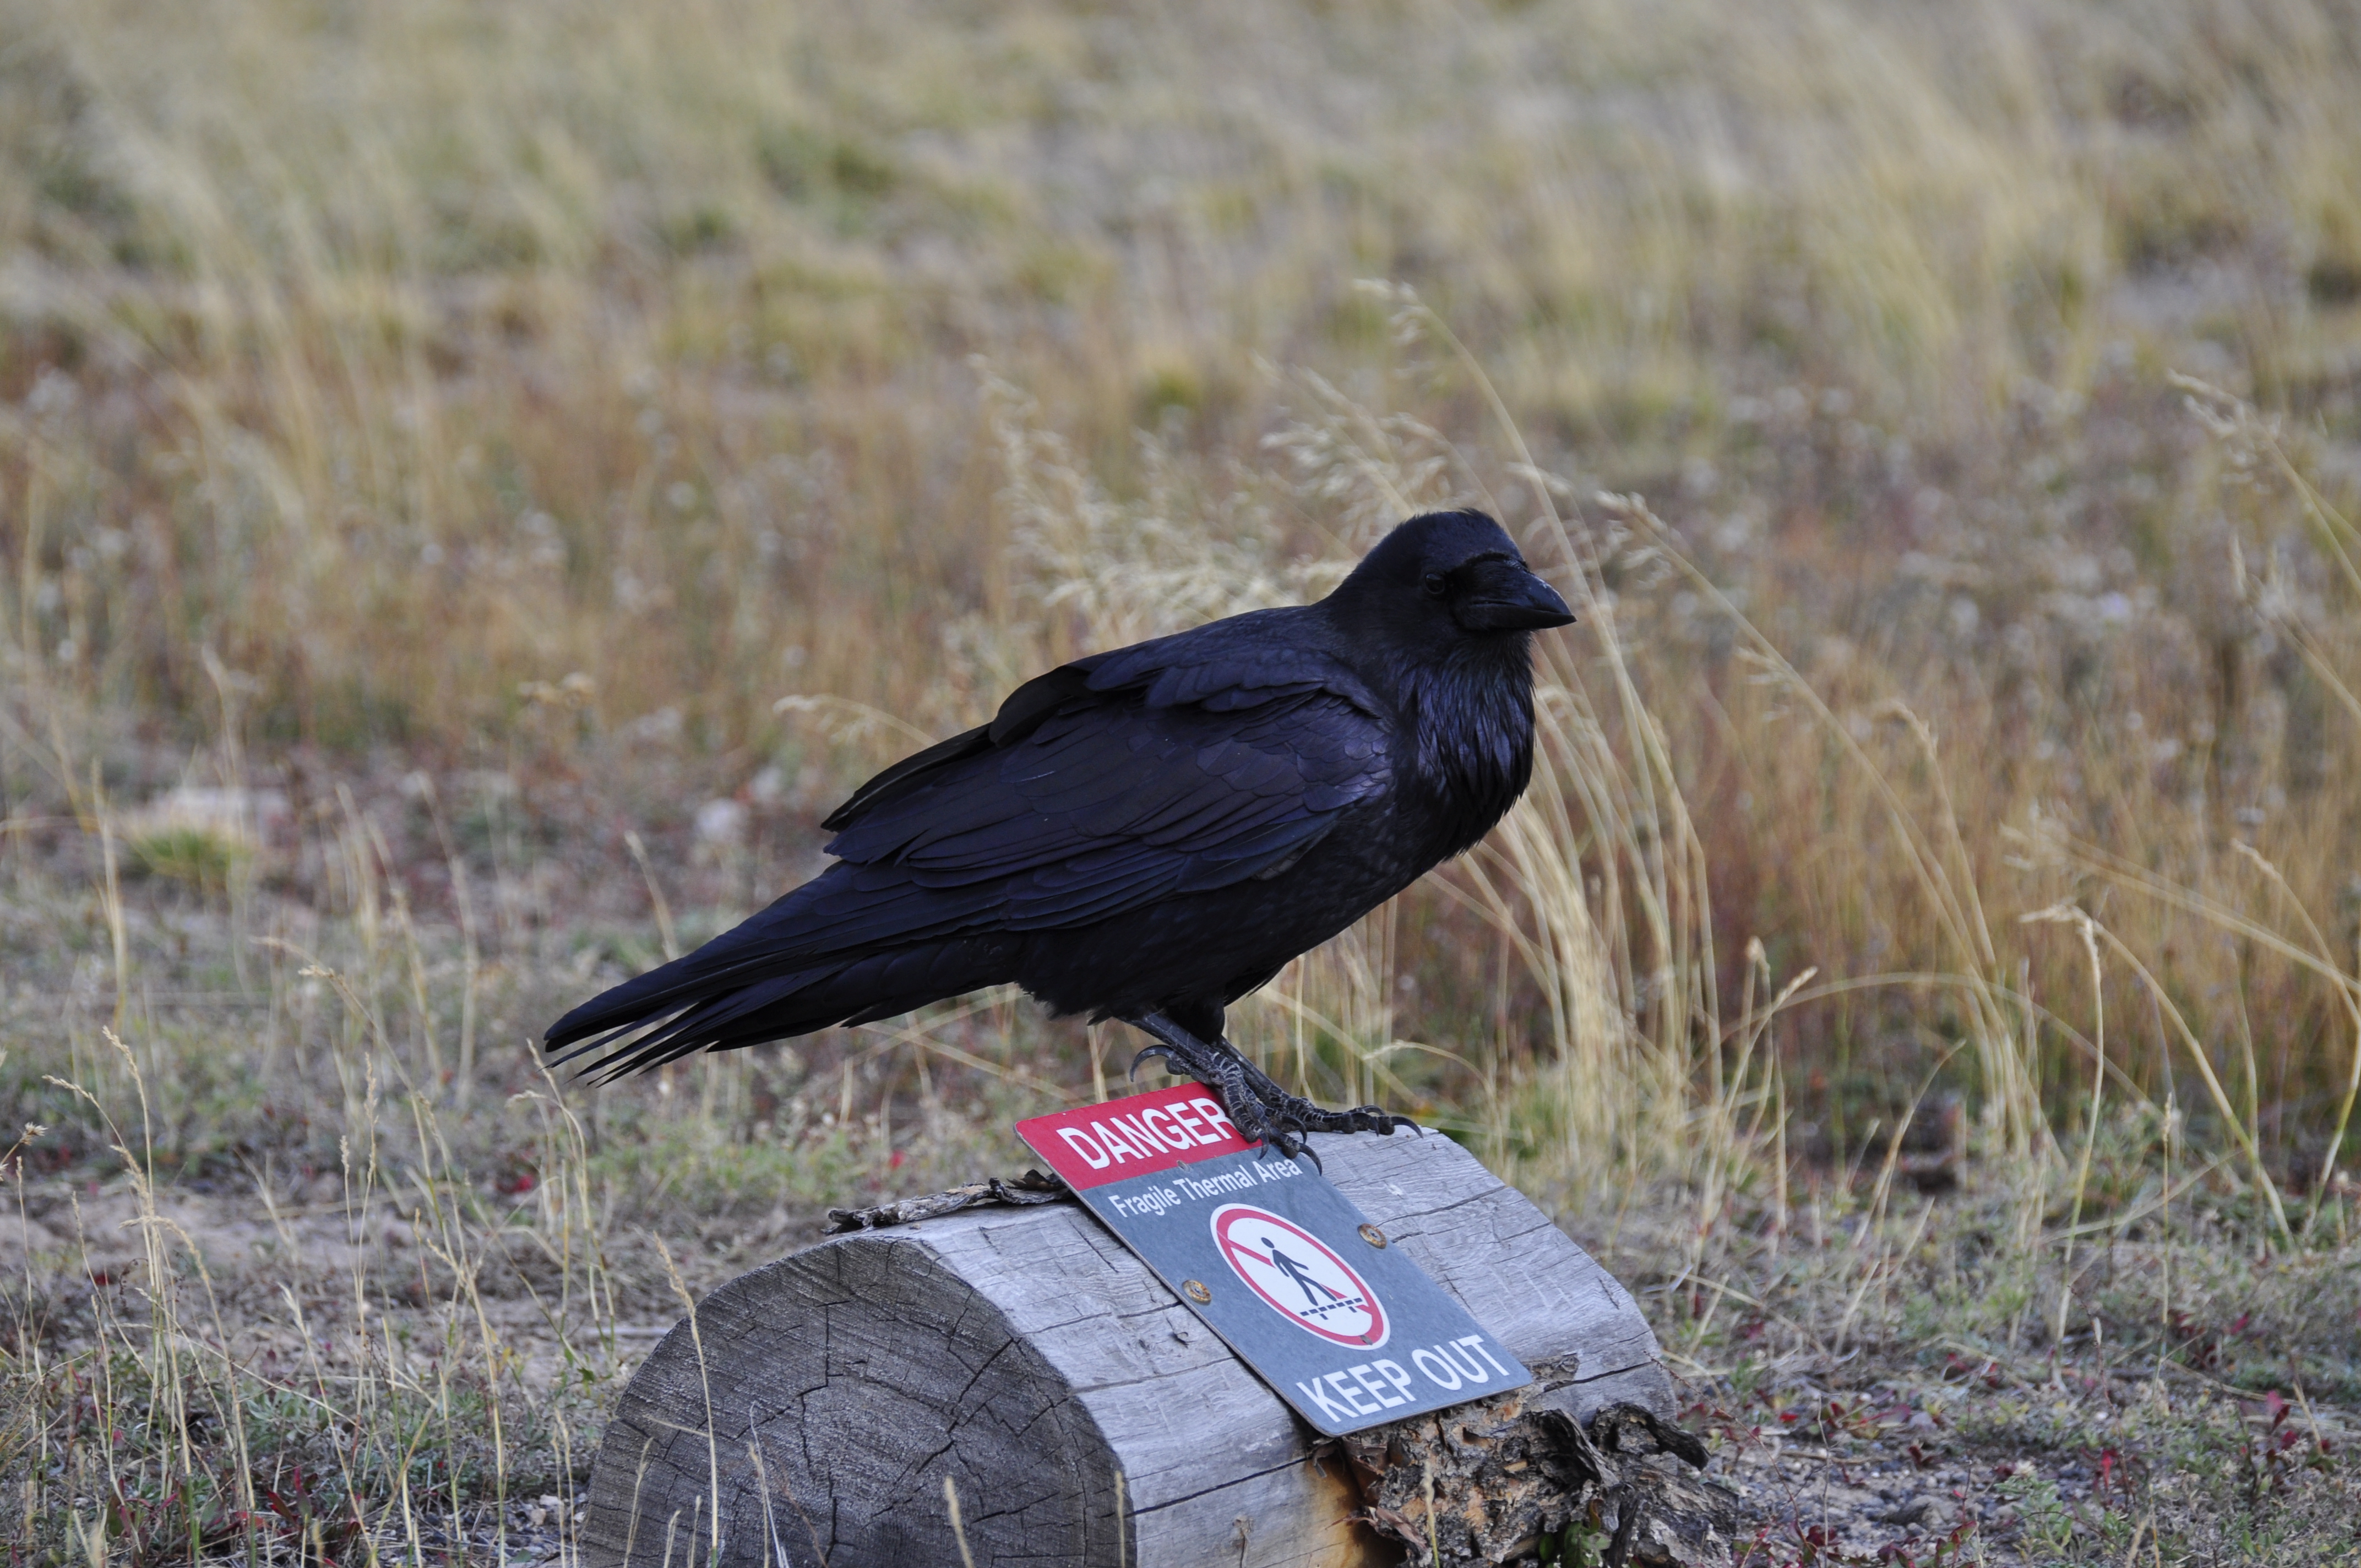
(1298, 1275)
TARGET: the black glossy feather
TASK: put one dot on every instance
(1160, 826)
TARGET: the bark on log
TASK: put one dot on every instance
(814, 1408)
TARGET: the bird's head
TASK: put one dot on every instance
(1447, 576)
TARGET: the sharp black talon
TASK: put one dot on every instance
(1370, 1119)
(1287, 1141)
(1145, 1052)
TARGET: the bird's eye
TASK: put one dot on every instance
(1436, 586)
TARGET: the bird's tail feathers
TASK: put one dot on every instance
(663, 1016)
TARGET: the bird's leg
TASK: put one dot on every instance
(1218, 1068)
(1260, 1110)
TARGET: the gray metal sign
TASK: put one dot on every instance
(1277, 1261)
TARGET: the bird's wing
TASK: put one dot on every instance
(1173, 767)
(1115, 805)
(1244, 661)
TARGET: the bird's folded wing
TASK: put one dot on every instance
(1108, 804)
(1106, 785)
(1240, 663)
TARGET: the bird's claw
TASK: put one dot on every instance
(1248, 1116)
(1294, 1116)
(1284, 1120)
(1258, 1107)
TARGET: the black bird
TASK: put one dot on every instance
(1151, 833)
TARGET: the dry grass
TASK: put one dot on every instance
(434, 439)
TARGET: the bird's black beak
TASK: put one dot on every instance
(1504, 596)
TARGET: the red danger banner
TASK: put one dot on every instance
(1138, 1135)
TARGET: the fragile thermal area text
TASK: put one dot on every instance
(1181, 1191)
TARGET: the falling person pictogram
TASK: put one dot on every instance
(1294, 1269)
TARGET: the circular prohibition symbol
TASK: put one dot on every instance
(1300, 1276)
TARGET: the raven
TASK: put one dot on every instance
(1151, 833)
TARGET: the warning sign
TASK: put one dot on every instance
(1277, 1261)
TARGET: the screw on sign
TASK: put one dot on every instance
(1296, 1273)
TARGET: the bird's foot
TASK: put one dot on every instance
(1283, 1118)
(1260, 1110)
(1293, 1113)
(1215, 1066)
(1231, 1078)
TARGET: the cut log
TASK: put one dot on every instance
(813, 1409)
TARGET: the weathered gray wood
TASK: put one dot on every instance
(1026, 1356)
